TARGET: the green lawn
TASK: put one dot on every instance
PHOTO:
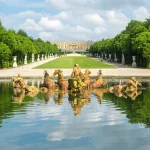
(68, 62)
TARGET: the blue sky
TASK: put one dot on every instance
(70, 20)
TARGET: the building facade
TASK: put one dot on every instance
(76, 46)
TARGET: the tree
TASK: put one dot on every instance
(142, 45)
(1, 26)
(5, 53)
(135, 27)
(8, 38)
(22, 33)
(122, 43)
(147, 24)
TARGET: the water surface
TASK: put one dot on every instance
(93, 120)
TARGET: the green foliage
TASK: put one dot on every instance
(135, 27)
(134, 40)
(1, 26)
(21, 44)
(8, 37)
(4, 53)
(142, 45)
(22, 33)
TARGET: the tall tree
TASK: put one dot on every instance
(142, 45)
(22, 33)
(5, 53)
(1, 26)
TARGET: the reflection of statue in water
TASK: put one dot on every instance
(48, 94)
(99, 81)
(117, 90)
(134, 94)
(86, 94)
(99, 94)
(77, 102)
(18, 95)
(58, 97)
(129, 89)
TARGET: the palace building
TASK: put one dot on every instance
(76, 46)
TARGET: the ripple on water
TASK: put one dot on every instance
(104, 124)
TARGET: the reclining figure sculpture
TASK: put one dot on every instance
(129, 89)
(20, 85)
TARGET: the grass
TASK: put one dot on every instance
(68, 62)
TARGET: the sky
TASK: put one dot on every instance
(72, 20)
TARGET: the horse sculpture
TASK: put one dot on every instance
(99, 81)
(86, 78)
(62, 83)
(48, 82)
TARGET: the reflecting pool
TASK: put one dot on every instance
(92, 120)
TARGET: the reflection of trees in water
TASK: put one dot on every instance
(9, 101)
(137, 111)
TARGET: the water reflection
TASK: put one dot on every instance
(99, 94)
(88, 120)
(137, 111)
(58, 97)
(18, 95)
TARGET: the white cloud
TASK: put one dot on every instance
(74, 20)
(141, 13)
(28, 14)
(71, 4)
(46, 36)
(30, 25)
(50, 25)
(66, 26)
(95, 19)
(17, 20)
(99, 30)
(23, 3)
(61, 4)
(116, 18)
(62, 15)
(81, 29)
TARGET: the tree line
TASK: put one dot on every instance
(18, 43)
(133, 41)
